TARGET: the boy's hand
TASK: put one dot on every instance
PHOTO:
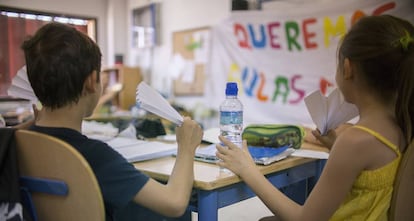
(189, 134)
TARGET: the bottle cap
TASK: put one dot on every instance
(231, 88)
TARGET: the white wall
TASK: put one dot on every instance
(177, 15)
(114, 20)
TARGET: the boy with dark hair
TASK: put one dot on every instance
(63, 67)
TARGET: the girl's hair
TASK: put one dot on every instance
(382, 48)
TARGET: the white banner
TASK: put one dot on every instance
(279, 57)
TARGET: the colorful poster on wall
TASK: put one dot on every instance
(278, 57)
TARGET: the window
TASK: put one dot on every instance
(144, 26)
(17, 25)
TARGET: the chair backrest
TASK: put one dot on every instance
(43, 156)
(403, 196)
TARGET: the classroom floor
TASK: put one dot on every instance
(248, 210)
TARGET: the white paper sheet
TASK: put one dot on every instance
(201, 53)
(134, 150)
(188, 74)
(310, 154)
(176, 66)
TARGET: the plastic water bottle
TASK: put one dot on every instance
(231, 115)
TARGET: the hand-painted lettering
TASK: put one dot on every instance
(241, 34)
(282, 89)
(301, 93)
(307, 36)
(292, 34)
(258, 39)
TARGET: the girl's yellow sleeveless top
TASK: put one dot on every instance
(370, 196)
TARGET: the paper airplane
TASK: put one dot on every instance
(152, 101)
(329, 112)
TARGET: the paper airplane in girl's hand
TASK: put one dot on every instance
(329, 112)
(152, 101)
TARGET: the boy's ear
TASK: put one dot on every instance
(348, 69)
(90, 83)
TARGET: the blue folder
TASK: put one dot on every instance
(261, 155)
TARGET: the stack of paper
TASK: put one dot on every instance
(134, 150)
(99, 130)
(21, 88)
(329, 112)
(12, 107)
(150, 100)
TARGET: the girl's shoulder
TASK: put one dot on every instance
(352, 141)
(352, 137)
(348, 154)
(358, 134)
(367, 145)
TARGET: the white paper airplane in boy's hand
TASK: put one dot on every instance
(329, 112)
(150, 100)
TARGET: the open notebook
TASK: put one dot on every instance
(261, 155)
(138, 150)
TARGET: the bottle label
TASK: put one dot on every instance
(231, 117)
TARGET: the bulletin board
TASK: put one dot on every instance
(193, 47)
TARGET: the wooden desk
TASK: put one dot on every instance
(214, 189)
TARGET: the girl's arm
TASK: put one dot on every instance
(342, 168)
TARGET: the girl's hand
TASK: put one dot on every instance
(234, 158)
(327, 140)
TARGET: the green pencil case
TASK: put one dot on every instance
(274, 135)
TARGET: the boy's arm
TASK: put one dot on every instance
(172, 198)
